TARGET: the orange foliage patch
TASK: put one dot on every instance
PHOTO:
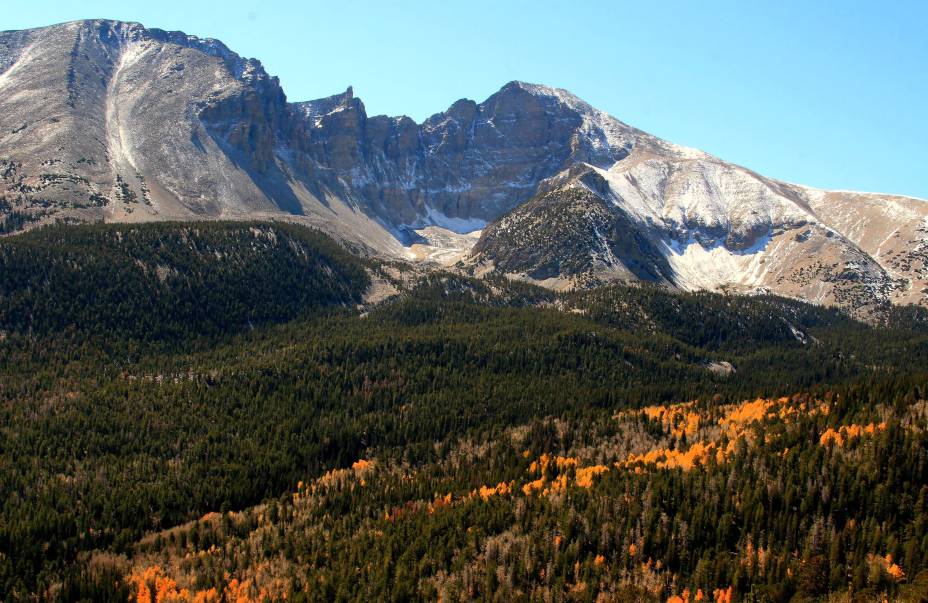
(152, 585)
(736, 419)
(746, 413)
(584, 475)
(677, 419)
(563, 462)
(546, 460)
(440, 501)
(664, 458)
(845, 433)
(559, 484)
(684, 597)
(335, 478)
(533, 486)
(500, 489)
(361, 465)
(894, 571)
(719, 595)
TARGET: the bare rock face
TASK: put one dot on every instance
(105, 120)
(470, 162)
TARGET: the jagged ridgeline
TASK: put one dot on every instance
(152, 281)
(112, 121)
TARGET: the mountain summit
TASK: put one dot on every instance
(105, 120)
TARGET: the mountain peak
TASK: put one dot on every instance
(561, 95)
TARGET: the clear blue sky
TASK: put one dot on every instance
(826, 93)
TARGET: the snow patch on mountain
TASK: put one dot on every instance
(699, 266)
(457, 225)
(713, 200)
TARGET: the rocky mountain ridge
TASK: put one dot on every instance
(104, 120)
(704, 224)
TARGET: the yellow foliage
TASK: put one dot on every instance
(206, 596)
(545, 461)
(563, 462)
(585, 475)
(746, 412)
(542, 464)
(692, 423)
(894, 570)
(485, 492)
(440, 501)
(599, 560)
(664, 458)
(152, 585)
(559, 484)
(736, 419)
(845, 433)
(361, 465)
(533, 486)
(677, 419)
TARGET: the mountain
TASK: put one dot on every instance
(323, 368)
(699, 223)
(104, 120)
(112, 121)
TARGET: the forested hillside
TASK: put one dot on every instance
(158, 281)
(464, 439)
